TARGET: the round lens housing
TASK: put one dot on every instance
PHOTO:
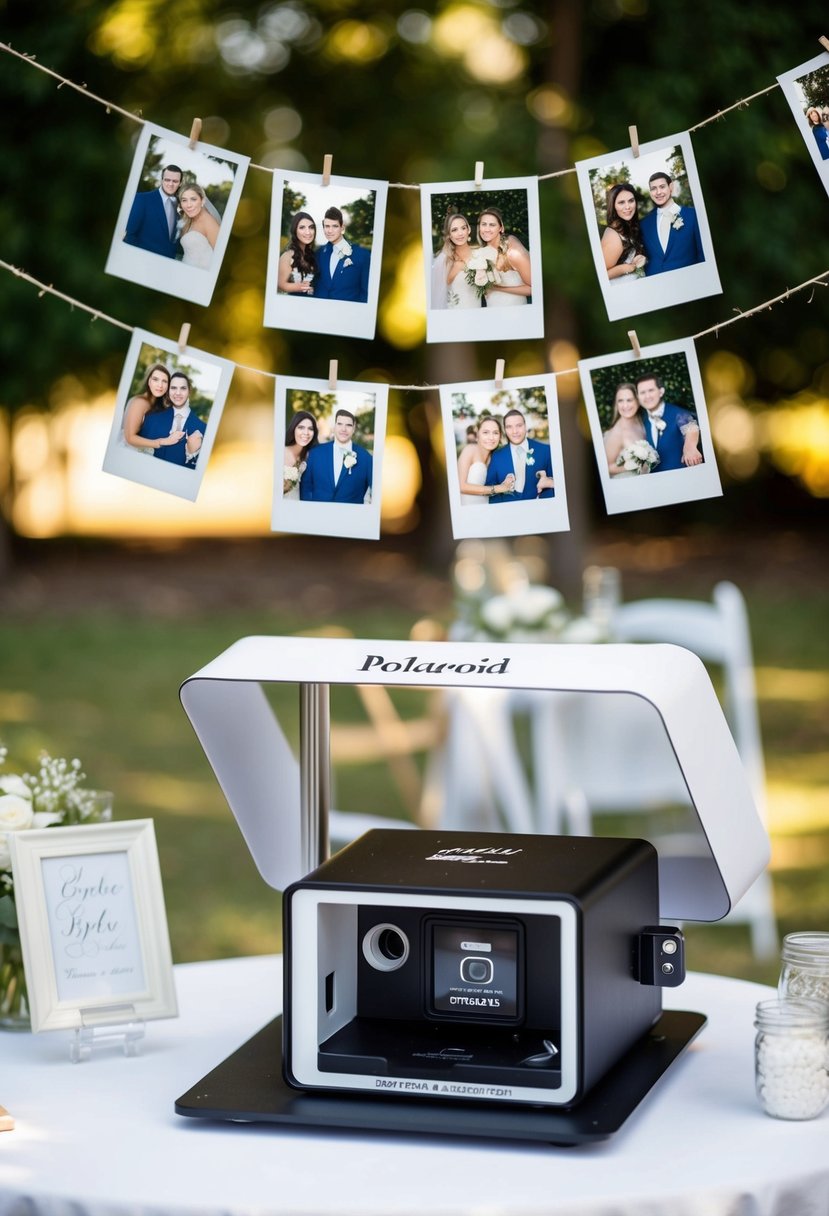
(385, 947)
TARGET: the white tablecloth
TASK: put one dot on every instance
(102, 1135)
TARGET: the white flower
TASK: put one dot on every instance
(16, 813)
(15, 785)
(660, 424)
(534, 603)
(290, 473)
(530, 461)
(678, 223)
(497, 613)
(349, 460)
(582, 630)
(348, 262)
(45, 819)
(344, 251)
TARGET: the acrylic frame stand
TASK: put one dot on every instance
(281, 805)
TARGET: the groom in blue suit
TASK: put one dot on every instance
(177, 419)
(523, 459)
(673, 431)
(339, 471)
(670, 233)
(154, 214)
(343, 268)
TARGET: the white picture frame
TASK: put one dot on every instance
(155, 270)
(631, 295)
(661, 487)
(93, 926)
(314, 314)
(503, 516)
(791, 84)
(320, 517)
(208, 373)
(478, 324)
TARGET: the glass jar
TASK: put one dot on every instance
(805, 969)
(791, 1058)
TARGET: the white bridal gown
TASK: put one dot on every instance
(503, 299)
(475, 477)
(457, 294)
(293, 493)
(197, 250)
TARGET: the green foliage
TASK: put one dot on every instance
(511, 203)
(671, 369)
(324, 406)
(815, 87)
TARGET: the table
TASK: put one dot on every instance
(102, 1135)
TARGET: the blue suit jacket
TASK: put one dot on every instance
(349, 282)
(501, 465)
(317, 484)
(822, 137)
(671, 441)
(684, 244)
(147, 225)
(158, 426)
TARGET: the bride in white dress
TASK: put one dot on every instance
(473, 464)
(449, 286)
(513, 261)
(302, 435)
(626, 428)
(200, 229)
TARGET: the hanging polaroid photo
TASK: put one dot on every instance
(176, 215)
(328, 457)
(482, 255)
(806, 89)
(166, 414)
(326, 245)
(650, 427)
(503, 457)
(647, 226)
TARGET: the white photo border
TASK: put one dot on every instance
(513, 518)
(788, 82)
(342, 318)
(481, 325)
(156, 998)
(630, 299)
(193, 283)
(123, 461)
(360, 521)
(671, 485)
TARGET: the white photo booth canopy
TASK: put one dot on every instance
(280, 800)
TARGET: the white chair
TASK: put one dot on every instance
(617, 757)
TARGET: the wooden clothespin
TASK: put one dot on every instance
(634, 341)
(327, 162)
(824, 42)
(479, 174)
(332, 374)
(634, 140)
(499, 373)
(183, 337)
(6, 1121)
(195, 132)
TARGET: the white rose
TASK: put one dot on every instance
(497, 613)
(534, 603)
(45, 819)
(5, 855)
(15, 813)
(15, 785)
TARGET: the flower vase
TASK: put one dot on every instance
(14, 997)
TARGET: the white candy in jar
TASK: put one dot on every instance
(792, 1058)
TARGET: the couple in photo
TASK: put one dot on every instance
(648, 434)
(504, 465)
(174, 221)
(492, 273)
(339, 270)
(667, 238)
(159, 421)
(337, 471)
(819, 123)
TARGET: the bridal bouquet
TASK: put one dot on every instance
(290, 473)
(638, 457)
(480, 270)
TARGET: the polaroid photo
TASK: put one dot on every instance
(806, 89)
(176, 215)
(482, 260)
(647, 226)
(167, 411)
(324, 254)
(328, 457)
(648, 416)
(503, 450)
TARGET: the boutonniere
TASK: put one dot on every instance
(344, 251)
(349, 460)
(348, 262)
(660, 424)
(678, 222)
(530, 461)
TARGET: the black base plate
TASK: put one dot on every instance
(248, 1087)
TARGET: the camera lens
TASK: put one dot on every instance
(476, 970)
(385, 947)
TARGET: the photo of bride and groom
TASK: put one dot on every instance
(324, 255)
(648, 230)
(806, 89)
(482, 255)
(650, 427)
(504, 449)
(175, 216)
